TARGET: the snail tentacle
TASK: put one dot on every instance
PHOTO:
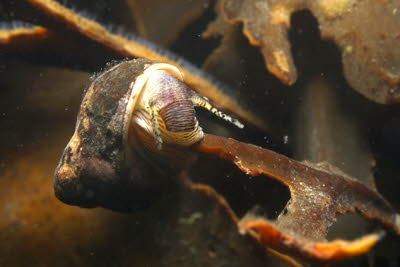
(154, 115)
(203, 102)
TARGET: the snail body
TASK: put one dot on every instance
(131, 116)
(163, 105)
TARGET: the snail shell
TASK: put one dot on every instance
(135, 116)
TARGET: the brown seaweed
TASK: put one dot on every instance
(317, 196)
(63, 17)
(370, 54)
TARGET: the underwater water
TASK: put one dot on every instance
(311, 86)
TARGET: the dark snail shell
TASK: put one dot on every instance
(93, 170)
(132, 118)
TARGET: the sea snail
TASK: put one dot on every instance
(132, 115)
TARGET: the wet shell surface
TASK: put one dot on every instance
(135, 116)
